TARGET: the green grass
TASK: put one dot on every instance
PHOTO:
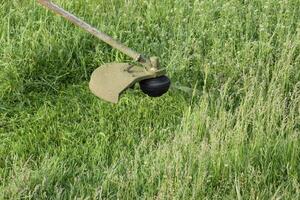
(235, 137)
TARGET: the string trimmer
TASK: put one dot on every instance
(110, 80)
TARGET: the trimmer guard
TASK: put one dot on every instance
(110, 80)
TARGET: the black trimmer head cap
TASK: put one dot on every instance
(155, 87)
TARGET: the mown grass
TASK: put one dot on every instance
(235, 137)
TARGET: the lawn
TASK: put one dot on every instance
(235, 136)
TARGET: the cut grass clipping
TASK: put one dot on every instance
(235, 136)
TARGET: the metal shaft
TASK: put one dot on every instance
(102, 36)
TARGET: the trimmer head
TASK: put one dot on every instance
(110, 80)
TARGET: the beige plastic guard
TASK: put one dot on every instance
(109, 80)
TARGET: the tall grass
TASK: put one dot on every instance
(236, 138)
